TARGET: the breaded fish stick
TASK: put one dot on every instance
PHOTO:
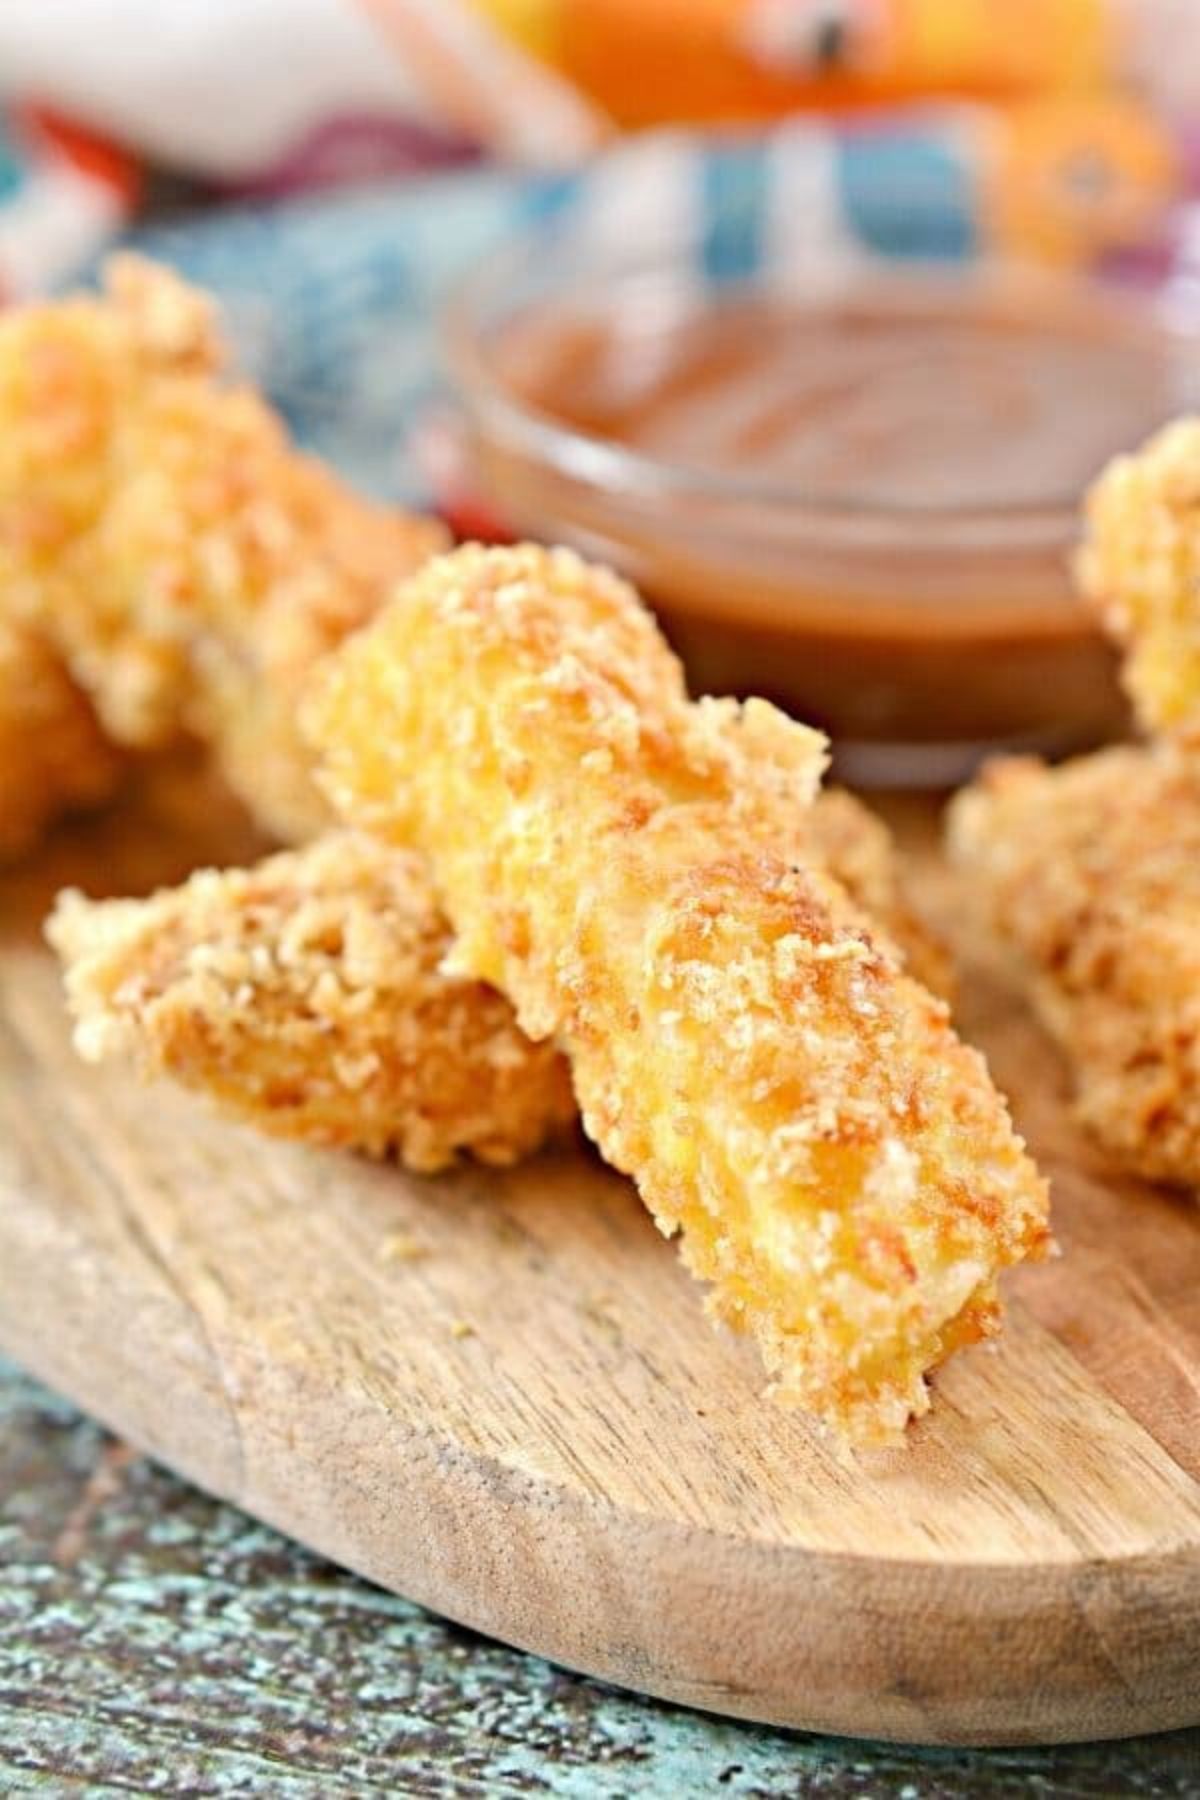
(839, 1166)
(1090, 873)
(1140, 567)
(160, 531)
(80, 380)
(53, 756)
(307, 995)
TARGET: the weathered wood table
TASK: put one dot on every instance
(153, 1641)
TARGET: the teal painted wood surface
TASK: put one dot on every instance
(153, 1641)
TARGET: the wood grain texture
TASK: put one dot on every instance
(153, 1641)
(531, 1428)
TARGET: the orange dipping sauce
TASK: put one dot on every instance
(860, 503)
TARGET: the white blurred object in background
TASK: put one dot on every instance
(229, 89)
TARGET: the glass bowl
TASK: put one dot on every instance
(846, 479)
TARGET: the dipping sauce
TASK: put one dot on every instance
(860, 502)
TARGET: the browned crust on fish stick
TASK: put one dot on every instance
(53, 757)
(307, 996)
(1140, 566)
(621, 864)
(1090, 874)
(159, 529)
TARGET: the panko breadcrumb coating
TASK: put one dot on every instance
(1140, 566)
(158, 528)
(1090, 874)
(620, 863)
(306, 994)
(53, 757)
(81, 380)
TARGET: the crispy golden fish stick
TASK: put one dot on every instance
(53, 757)
(1140, 566)
(79, 379)
(1090, 874)
(615, 859)
(160, 530)
(306, 994)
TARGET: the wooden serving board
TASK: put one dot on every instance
(529, 1425)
